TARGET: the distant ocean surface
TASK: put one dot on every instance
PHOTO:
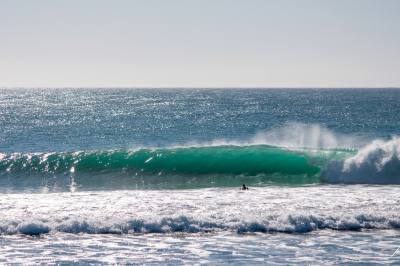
(153, 176)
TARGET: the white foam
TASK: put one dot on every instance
(270, 209)
(376, 163)
(376, 156)
(301, 223)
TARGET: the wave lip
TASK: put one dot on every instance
(375, 163)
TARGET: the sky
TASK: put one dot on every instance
(203, 43)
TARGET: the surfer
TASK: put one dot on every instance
(244, 187)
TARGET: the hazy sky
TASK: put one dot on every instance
(203, 43)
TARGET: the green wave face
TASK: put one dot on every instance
(168, 168)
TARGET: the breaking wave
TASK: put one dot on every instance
(183, 224)
(376, 163)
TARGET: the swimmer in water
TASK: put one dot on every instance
(244, 187)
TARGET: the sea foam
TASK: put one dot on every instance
(265, 210)
(376, 163)
(292, 223)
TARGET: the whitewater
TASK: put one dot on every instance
(125, 176)
(329, 224)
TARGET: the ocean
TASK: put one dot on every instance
(153, 176)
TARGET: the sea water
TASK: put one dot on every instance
(153, 176)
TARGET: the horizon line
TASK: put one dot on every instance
(193, 87)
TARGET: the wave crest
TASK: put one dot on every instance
(376, 163)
